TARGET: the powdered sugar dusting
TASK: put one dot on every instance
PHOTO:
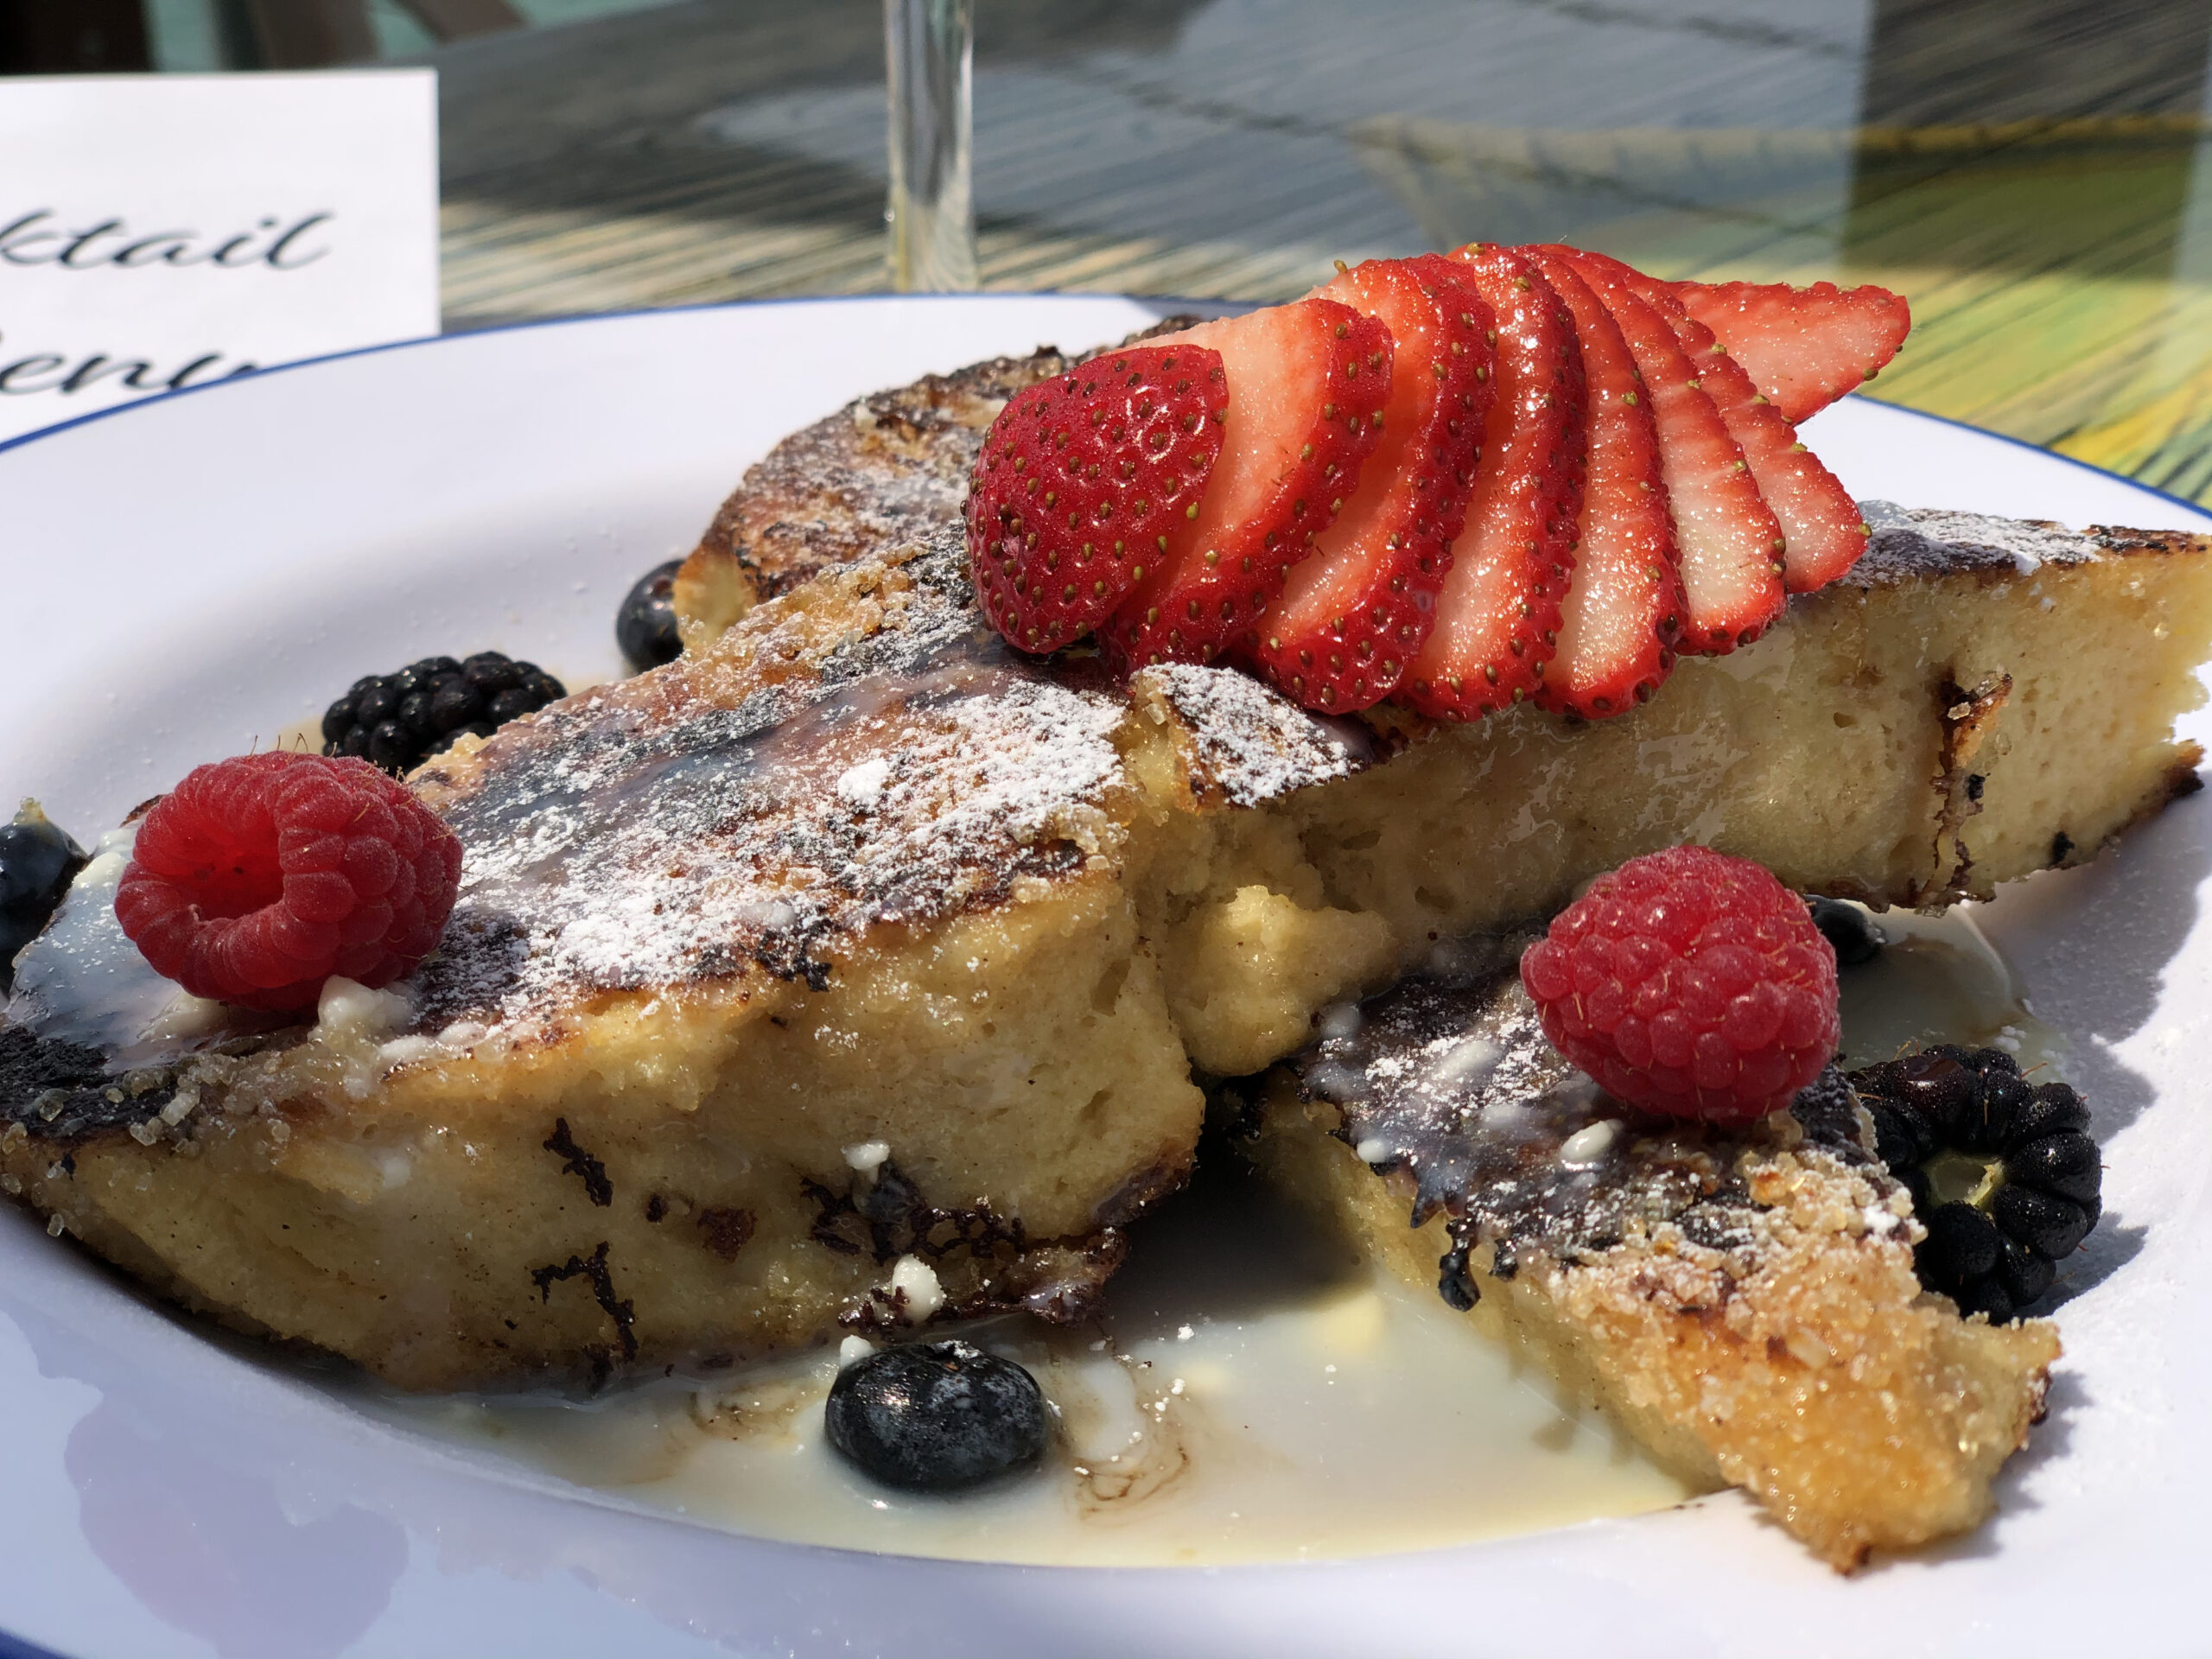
(1250, 743)
(1915, 541)
(694, 822)
(1451, 1079)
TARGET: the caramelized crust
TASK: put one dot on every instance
(886, 471)
(1863, 1413)
(1743, 1300)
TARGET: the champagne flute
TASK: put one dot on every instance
(929, 51)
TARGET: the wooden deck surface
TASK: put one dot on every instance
(2035, 176)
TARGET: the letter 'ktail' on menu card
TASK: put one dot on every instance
(164, 231)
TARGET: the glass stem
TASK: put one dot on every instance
(929, 50)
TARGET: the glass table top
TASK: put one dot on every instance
(2035, 175)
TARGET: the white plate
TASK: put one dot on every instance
(190, 575)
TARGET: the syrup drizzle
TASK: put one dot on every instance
(1449, 1088)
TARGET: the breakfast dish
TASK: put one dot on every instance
(850, 973)
(2104, 953)
(617, 1104)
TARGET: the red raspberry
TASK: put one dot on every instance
(1691, 983)
(258, 878)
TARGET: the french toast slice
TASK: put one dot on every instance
(850, 970)
(1742, 1300)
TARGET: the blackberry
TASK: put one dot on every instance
(2003, 1173)
(646, 625)
(397, 720)
(937, 1416)
(37, 863)
(1849, 929)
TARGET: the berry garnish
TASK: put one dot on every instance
(1691, 983)
(1803, 347)
(1353, 612)
(1853, 933)
(1307, 384)
(1631, 490)
(1497, 618)
(1089, 482)
(1623, 607)
(258, 878)
(1727, 543)
(2001, 1172)
(1823, 532)
(938, 1416)
(645, 628)
(396, 720)
(37, 863)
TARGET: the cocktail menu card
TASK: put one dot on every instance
(159, 232)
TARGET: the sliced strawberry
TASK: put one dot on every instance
(1084, 478)
(1353, 611)
(1727, 541)
(1306, 382)
(1803, 347)
(1823, 532)
(1623, 608)
(1497, 617)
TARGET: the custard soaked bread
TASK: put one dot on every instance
(1742, 1300)
(850, 971)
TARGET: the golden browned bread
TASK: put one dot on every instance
(1744, 1301)
(849, 970)
(794, 983)
(886, 470)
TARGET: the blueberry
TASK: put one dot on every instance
(1849, 929)
(937, 1417)
(644, 626)
(508, 704)
(37, 863)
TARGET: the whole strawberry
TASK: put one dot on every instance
(258, 878)
(1690, 983)
(1085, 482)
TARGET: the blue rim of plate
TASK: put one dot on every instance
(1168, 303)
(13, 1647)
